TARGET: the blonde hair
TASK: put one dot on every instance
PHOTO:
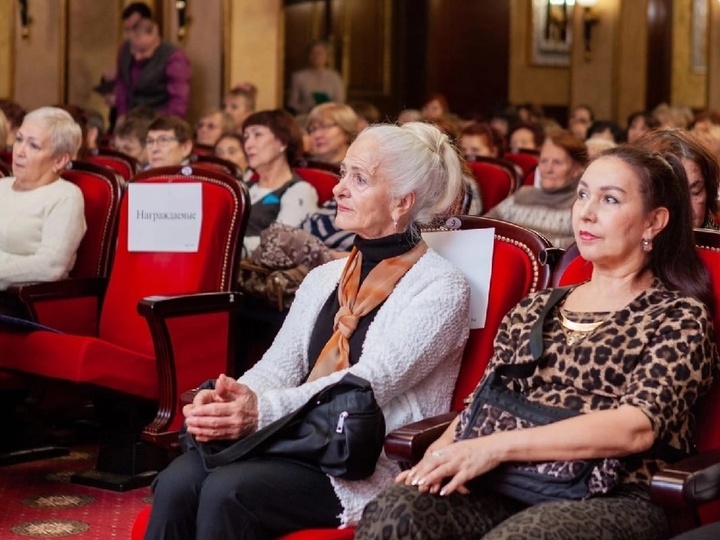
(342, 115)
(65, 133)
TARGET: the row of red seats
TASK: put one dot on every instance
(686, 489)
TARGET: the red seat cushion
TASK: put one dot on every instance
(81, 359)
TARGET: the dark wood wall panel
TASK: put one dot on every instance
(468, 52)
(659, 57)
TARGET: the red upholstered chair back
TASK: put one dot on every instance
(126, 166)
(494, 182)
(5, 169)
(526, 161)
(517, 270)
(101, 192)
(323, 181)
(215, 163)
(135, 275)
(708, 244)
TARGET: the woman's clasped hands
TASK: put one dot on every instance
(227, 412)
(447, 467)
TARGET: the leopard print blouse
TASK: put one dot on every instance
(658, 354)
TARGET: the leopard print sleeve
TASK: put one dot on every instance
(676, 367)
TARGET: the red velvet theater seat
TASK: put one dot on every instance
(124, 165)
(215, 163)
(165, 317)
(322, 180)
(494, 181)
(101, 191)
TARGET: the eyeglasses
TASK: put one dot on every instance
(318, 127)
(160, 141)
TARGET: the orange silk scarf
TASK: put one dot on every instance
(357, 301)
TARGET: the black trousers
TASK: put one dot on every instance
(257, 499)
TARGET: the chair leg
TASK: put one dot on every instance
(23, 435)
(124, 461)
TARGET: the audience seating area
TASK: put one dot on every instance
(164, 324)
(137, 317)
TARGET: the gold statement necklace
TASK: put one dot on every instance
(577, 331)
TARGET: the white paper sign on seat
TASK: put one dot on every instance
(471, 251)
(164, 217)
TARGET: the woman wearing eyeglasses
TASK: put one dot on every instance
(213, 125)
(332, 127)
(168, 142)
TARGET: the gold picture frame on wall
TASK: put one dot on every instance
(551, 32)
(699, 36)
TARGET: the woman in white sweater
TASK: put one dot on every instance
(400, 308)
(42, 218)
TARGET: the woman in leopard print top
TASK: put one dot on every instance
(633, 349)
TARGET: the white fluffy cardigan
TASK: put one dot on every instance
(411, 356)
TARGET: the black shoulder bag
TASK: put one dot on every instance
(341, 429)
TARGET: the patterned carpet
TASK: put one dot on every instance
(37, 500)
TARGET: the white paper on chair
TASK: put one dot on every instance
(471, 252)
(164, 217)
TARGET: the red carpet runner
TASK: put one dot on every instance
(37, 501)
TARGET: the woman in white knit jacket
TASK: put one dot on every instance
(409, 310)
(42, 218)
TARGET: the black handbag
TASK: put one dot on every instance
(341, 429)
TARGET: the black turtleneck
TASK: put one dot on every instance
(373, 251)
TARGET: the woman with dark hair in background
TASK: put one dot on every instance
(273, 143)
(701, 169)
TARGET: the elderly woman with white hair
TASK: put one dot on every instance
(407, 343)
(42, 218)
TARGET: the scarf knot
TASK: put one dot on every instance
(345, 322)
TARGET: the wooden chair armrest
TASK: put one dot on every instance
(54, 290)
(180, 367)
(408, 444)
(689, 482)
(191, 304)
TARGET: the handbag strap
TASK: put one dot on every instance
(526, 369)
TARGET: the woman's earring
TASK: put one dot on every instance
(395, 224)
(646, 245)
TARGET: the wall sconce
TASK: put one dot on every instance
(24, 19)
(181, 10)
(589, 20)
